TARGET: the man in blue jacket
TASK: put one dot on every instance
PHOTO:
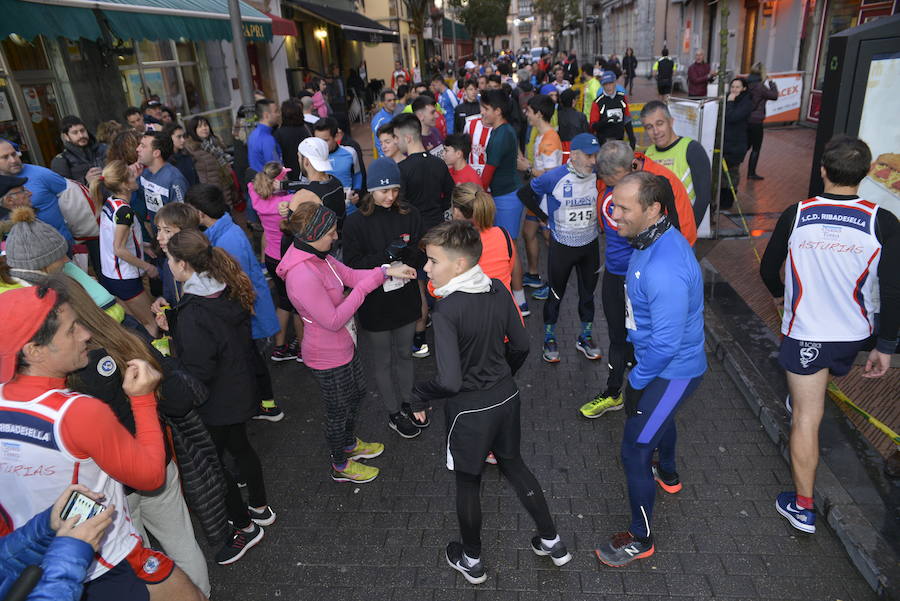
(388, 104)
(224, 233)
(664, 318)
(45, 187)
(61, 549)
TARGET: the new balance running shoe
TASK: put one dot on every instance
(542, 293)
(803, 520)
(667, 481)
(238, 545)
(471, 571)
(551, 351)
(623, 548)
(532, 280)
(558, 552)
(586, 345)
(355, 472)
(608, 400)
(420, 348)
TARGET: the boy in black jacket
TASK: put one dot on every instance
(475, 367)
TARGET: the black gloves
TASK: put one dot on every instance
(632, 399)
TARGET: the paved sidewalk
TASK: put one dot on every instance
(718, 538)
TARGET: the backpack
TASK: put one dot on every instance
(79, 211)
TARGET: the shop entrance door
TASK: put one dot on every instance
(40, 101)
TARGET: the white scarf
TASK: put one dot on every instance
(473, 281)
(203, 284)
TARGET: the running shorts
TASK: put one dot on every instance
(123, 289)
(480, 422)
(803, 357)
(129, 578)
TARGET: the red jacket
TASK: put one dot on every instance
(682, 201)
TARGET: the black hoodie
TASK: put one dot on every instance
(211, 336)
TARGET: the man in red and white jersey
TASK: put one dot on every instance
(842, 267)
(52, 437)
(481, 135)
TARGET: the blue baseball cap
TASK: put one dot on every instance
(547, 88)
(586, 143)
(608, 77)
(382, 173)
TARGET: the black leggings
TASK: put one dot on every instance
(560, 261)
(233, 438)
(468, 503)
(612, 292)
(755, 138)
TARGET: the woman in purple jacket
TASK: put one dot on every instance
(761, 91)
(315, 284)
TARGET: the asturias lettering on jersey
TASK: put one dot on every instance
(831, 292)
(35, 466)
(618, 249)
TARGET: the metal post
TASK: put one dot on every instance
(455, 54)
(240, 53)
(720, 128)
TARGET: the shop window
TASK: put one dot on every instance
(839, 15)
(190, 78)
(22, 55)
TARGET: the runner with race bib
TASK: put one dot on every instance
(568, 207)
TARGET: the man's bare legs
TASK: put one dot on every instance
(808, 404)
(532, 246)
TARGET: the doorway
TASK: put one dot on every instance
(749, 45)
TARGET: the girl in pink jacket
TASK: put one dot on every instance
(315, 284)
(267, 198)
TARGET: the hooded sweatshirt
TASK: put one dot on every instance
(211, 336)
(316, 289)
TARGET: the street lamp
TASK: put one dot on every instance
(320, 34)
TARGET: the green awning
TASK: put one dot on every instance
(131, 19)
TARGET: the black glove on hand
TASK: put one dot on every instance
(395, 249)
(632, 399)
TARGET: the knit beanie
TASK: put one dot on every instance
(31, 243)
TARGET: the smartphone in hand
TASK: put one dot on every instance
(81, 505)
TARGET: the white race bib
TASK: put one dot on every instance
(629, 312)
(578, 217)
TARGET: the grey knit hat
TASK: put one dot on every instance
(31, 243)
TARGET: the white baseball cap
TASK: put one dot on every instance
(470, 65)
(316, 150)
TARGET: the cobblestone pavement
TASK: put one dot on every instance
(720, 537)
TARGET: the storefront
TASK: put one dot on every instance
(824, 19)
(113, 58)
(329, 36)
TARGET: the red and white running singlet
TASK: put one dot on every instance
(35, 467)
(480, 135)
(831, 275)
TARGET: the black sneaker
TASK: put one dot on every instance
(266, 517)
(473, 572)
(283, 352)
(669, 482)
(402, 425)
(239, 543)
(406, 410)
(270, 414)
(558, 552)
(623, 548)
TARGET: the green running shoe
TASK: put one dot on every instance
(608, 400)
(355, 472)
(365, 450)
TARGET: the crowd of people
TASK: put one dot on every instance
(137, 384)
